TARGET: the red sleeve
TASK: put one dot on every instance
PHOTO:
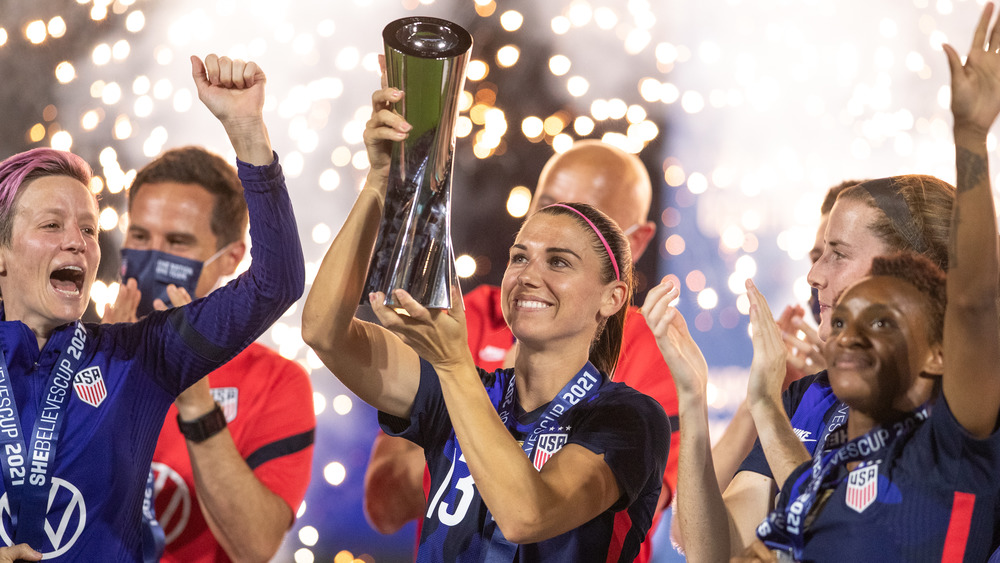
(641, 367)
(489, 337)
(277, 441)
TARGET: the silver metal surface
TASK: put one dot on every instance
(426, 59)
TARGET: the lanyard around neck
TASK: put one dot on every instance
(27, 469)
(583, 386)
(784, 529)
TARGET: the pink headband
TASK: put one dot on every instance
(604, 241)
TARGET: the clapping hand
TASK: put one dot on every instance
(767, 370)
(687, 363)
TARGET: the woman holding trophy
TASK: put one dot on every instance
(547, 461)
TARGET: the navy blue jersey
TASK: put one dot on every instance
(104, 453)
(931, 497)
(627, 427)
(812, 409)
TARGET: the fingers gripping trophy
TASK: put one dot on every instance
(426, 58)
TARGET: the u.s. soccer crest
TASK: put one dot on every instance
(89, 386)
(547, 446)
(229, 399)
(862, 487)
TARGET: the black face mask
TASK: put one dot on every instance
(153, 271)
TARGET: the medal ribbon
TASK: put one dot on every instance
(811, 413)
(580, 388)
(27, 470)
(153, 538)
(784, 529)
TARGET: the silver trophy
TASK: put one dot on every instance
(425, 58)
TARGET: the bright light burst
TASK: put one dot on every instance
(761, 109)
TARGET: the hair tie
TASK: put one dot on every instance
(604, 241)
(887, 198)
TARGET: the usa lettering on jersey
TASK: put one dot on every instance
(548, 445)
(862, 488)
(89, 386)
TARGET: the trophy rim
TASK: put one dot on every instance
(464, 37)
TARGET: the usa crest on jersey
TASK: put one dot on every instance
(89, 386)
(862, 487)
(548, 445)
(228, 399)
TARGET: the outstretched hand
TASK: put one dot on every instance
(687, 363)
(767, 370)
(975, 85)
(436, 335)
(178, 298)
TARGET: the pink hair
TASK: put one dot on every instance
(23, 167)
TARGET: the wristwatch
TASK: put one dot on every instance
(203, 427)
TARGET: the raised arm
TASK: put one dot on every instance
(183, 344)
(782, 448)
(233, 91)
(370, 360)
(727, 455)
(748, 495)
(971, 383)
(704, 521)
(802, 358)
(247, 518)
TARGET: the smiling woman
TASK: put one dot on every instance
(557, 252)
(898, 312)
(547, 461)
(906, 466)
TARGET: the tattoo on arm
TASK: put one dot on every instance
(972, 169)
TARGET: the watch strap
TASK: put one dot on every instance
(203, 427)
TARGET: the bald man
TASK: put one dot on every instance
(617, 183)
(606, 177)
